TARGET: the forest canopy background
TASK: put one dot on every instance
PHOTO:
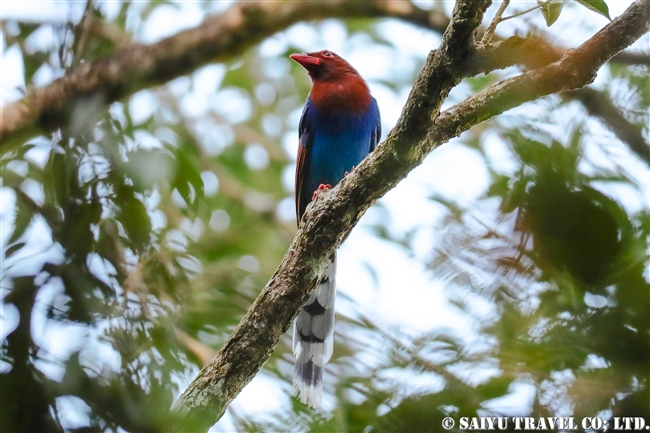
(504, 276)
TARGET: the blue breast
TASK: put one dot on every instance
(337, 143)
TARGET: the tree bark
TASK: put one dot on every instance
(333, 214)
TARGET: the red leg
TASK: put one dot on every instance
(321, 187)
(346, 173)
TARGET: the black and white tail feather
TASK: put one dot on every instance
(313, 338)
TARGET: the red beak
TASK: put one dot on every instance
(306, 61)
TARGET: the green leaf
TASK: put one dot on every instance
(598, 6)
(499, 187)
(23, 219)
(134, 218)
(514, 198)
(188, 180)
(551, 11)
(13, 249)
(32, 63)
(57, 187)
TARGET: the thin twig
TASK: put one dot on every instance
(518, 14)
(81, 32)
(487, 36)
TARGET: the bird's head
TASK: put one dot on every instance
(324, 65)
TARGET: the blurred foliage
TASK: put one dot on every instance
(551, 9)
(133, 244)
(566, 266)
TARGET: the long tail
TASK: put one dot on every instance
(313, 338)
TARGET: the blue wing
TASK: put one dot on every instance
(330, 145)
(305, 141)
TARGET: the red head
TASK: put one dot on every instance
(324, 65)
(337, 85)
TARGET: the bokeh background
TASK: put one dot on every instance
(507, 275)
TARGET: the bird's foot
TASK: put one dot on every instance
(321, 187)
(346, 173)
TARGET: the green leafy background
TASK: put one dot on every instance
(134, 244)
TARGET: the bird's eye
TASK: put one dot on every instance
(328, 54)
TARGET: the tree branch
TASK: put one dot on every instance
(632, 58)
(333, 214)
(81, 31)
(534, 52)
(252, 342)
(531, 52)
(136, 67)
(489, 32)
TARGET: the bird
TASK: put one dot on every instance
(339, 127)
